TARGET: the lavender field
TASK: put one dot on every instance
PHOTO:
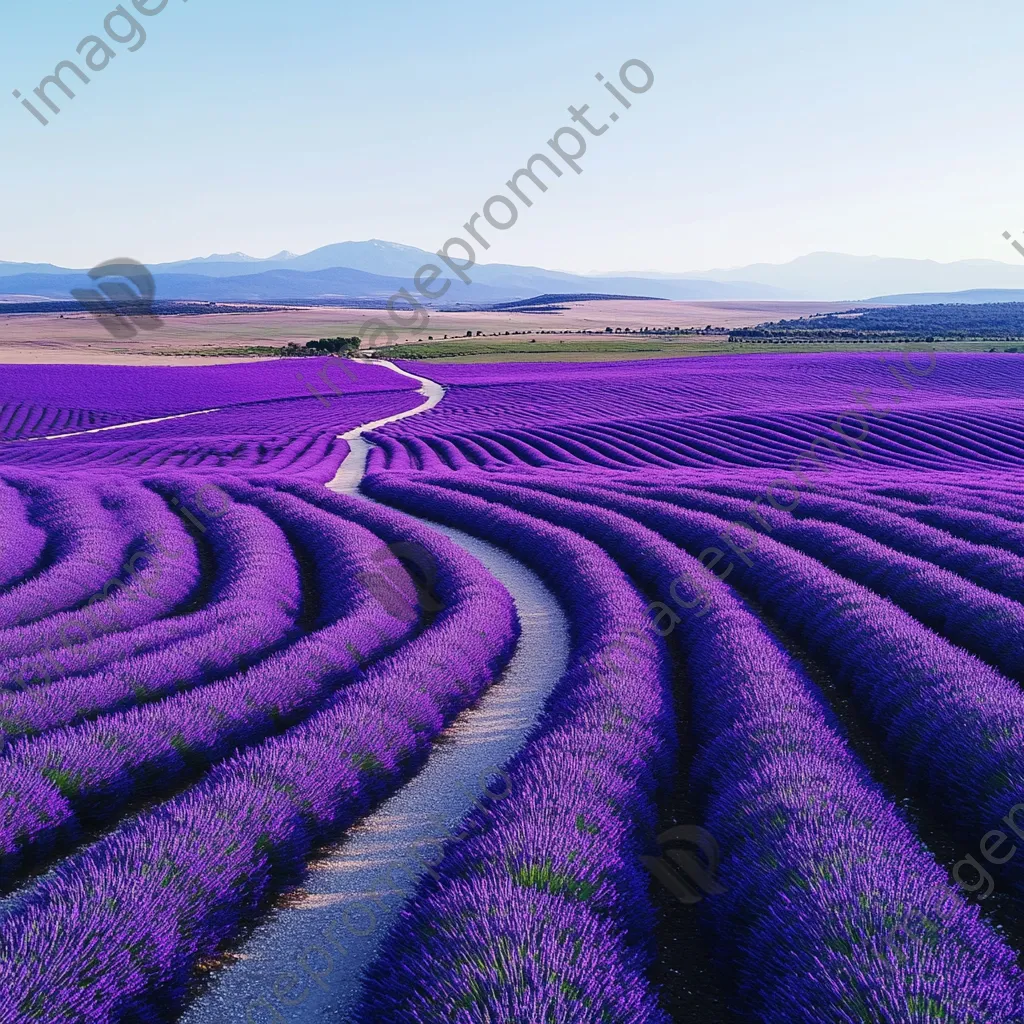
(239, 620)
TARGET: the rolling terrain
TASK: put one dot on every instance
(240, 617)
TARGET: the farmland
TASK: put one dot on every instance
(259, 332)
(257, 619)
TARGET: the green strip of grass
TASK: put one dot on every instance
(502, 350)
(473, 351)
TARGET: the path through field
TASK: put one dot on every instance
(351, 471)
(789, 625)
(117, 426)
(360, 871)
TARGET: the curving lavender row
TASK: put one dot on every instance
(95, 769)
(86, 544)
(987, 566)
(296, 435)
(244, 634)
(959, 414)
(954, 725)
(833, 910)
(249, 572)
(172, 886)
(256, 600)
(173, 390)
(160, 572)
(974, 527)
(555, 874)
(987, 625)
(976, 497)
(721, 415)
(21, 544)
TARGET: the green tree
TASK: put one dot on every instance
(334, 346)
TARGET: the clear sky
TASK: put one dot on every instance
(772, 129)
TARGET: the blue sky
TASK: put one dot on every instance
(771, 130)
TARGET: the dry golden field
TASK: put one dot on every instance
(79, 338)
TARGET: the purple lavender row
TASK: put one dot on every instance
(94, 770)
(833, 911)
(339, 408)
(239, 569)
(544, 914)
(21, 542)
(256, 600)
(149, 586)
(165, 390)
(989, 567)
(173, 886)
(297, 434)
(86, 544)
(246, 633)
(974, 496)
(315, 455)
(387, 453)
(748, 440)
(1001, 496)
(975, 527)
(29, 420)
(987, 625)
(954, 725)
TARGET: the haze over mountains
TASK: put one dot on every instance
(375, 270)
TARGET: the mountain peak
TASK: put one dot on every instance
(229, 257)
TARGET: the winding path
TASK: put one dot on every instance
(303, 963)
(353, 468)
(431, 389)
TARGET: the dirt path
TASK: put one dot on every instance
(351, 471)
(303, 963)
(114, 426)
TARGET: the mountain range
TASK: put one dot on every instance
(375, 270)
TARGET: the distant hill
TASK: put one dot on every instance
(976, 296)
(818, 276)
(549, 303)
(358, 270)
(840, 277)
(269, 286)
